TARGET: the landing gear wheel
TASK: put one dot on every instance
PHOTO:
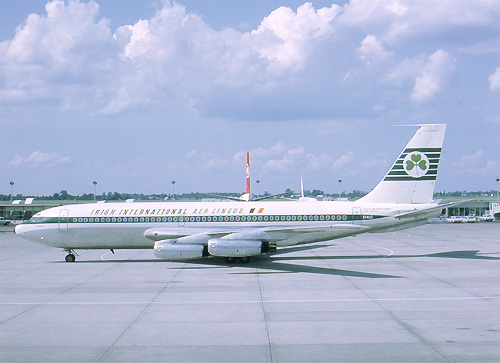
(245, 259)
(230, 260)
(70, 258)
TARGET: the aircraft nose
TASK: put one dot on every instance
(18, 229)
(27, 232)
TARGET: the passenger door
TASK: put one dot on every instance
(63, 219)
(357, 217)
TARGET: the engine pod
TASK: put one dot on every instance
(234, 248)
(174, 251)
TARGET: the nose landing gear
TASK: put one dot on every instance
(70, 257)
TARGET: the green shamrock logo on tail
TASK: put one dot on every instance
(416, 164)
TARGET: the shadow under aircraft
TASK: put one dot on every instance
(277, 263)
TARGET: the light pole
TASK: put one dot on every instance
(340, 188)
(12, 191)
(173, 189)
(497, 180)
(258, 190)
(95, 186)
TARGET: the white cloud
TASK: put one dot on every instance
(372, 50)
(37, 159)
(283, 160)
(473, 164)
(494, 79)
(397, 21)
(344, 159)
(271, 152)
(407, 70)
(284, 37)
(216, 163)
(191, 154)
(469, 159)
(275, 159)
(175, 61)
(434, 74)
(261, 153)
(173, 58)
(67, 46)
(289, 161)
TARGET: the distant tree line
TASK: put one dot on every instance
(316, 193)
(114, 196)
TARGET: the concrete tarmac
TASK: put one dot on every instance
(427, 294)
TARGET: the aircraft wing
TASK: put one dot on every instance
(275, 234)
(242, 199)
(236, 199)
(268, 197)
(284, 236)
(333, 227)
(159, 234)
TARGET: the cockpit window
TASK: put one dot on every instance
(36, 219)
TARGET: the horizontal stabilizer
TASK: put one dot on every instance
(423, 212)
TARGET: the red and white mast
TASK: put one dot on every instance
(248, 173)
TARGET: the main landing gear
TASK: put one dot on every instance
(70, 257)
(231, 260)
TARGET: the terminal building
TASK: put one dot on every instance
(19, 210)
(474, 208)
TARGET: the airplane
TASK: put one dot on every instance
(302, 197)
(238, 231)
(248, 195)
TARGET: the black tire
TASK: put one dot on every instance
(230, 260)
(245, 259)
(70, 258)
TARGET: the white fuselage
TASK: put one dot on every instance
(124, 225)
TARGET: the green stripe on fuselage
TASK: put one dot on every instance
(210, 219)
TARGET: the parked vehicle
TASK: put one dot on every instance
(454, 219)
(4, 221)
(469, 219)
(487, 218)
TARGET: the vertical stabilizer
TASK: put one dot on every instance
(248, 173)
(413, 176)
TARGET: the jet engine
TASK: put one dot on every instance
(236, 248)
(173, 251)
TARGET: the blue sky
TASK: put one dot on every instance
(135, 94)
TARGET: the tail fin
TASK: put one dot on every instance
(413, 176)
(248, 173)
